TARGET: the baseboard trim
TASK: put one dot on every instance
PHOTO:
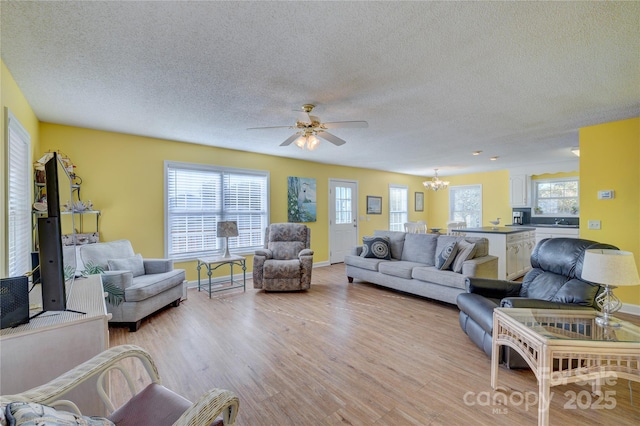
(628, 308)
(226, 278)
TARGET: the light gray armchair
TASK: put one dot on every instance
(148, 284)
(286, 261)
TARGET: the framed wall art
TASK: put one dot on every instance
(374, 205)
(301, 199)
(419, 201)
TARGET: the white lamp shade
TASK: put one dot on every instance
(610, 267)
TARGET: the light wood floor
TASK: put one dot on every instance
(350, 354)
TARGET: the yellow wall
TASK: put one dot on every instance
(12, 98)
(123, 176)
(495, 198)
(610, 159)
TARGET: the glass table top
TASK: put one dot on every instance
(572, 325)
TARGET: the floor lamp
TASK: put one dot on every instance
(610, 268)
(227, 229)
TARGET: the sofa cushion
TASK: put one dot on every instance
(466, 251)
(286, 250)
(31, 413)
(446, 256)
(376, 247)
(400, 268)
(361, 262)
(420, 248)
(97, 254)
(396, 241)
(444, 278)
(134, 264)
(146, 286)
(482, 244)
(274, 268)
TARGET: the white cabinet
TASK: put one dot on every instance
(548, 232)
(519, 248)
(520, 190)
(54, 342)
(513, 251)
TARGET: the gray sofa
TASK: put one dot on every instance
(412, 265)
(148, 284)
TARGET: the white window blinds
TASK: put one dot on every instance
(19, 197)
(198, 196)
(398, 207)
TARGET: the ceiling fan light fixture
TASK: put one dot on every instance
(312, 142)
(301, 141)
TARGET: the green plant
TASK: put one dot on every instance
(92, 269)
(69, 272)
(115, 295)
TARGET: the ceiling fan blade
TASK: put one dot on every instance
(269, 127)
(343, 124)
(331, 138)
(290, 139)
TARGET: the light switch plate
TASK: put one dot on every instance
(594, 224)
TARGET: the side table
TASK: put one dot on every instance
(214, 262)
(565, 346)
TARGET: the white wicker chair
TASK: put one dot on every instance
(216, 405)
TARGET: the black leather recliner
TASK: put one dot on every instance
(554, 282)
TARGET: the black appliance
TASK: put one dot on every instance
(14, 301)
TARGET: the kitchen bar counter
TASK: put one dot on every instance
(545, 225)
(512, 245)
(497, 230)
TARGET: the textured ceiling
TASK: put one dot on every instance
(435, 80)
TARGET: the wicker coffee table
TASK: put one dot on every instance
(565, 346)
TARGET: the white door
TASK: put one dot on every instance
(343, 223)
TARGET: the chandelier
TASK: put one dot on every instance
(435, 183)
(307, 139)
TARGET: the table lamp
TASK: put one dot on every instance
(227, 229)
(611, 268)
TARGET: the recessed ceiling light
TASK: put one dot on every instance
(493, 158)
(477, 152)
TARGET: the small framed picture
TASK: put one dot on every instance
(419, 201)
(374, 205)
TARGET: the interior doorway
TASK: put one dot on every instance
(343, 218)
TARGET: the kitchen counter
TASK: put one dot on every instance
(497, 230)
(512, 245)
(545, 225)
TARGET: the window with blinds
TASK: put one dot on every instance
(197, 197)
(19, 197)
(398, 207)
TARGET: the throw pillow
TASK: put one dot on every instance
(31, 414)
(446, 256)
(134, 264)
(466, 250)
(376, 248)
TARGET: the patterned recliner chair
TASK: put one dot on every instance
(286, 261)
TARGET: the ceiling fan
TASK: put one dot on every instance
(308, 132)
